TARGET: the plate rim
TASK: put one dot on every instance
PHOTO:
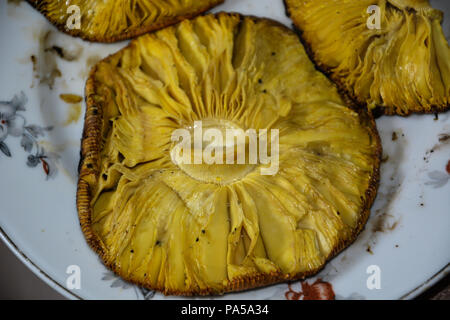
(38, 271)
(55, 285)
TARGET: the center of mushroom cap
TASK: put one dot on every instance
(212, 151)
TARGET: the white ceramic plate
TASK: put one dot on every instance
(407, 235)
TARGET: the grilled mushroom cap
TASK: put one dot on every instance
(401, 68)
(115, 20)
(213, 228)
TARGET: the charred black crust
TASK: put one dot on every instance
(125, 35)
(89, 175)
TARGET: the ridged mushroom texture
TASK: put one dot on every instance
(386, 54)
(115, 20)
(197, 229)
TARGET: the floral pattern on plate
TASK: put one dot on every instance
(117, 282)
(13, 124)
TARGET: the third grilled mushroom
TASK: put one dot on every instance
(115, 20)
(400, 66)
